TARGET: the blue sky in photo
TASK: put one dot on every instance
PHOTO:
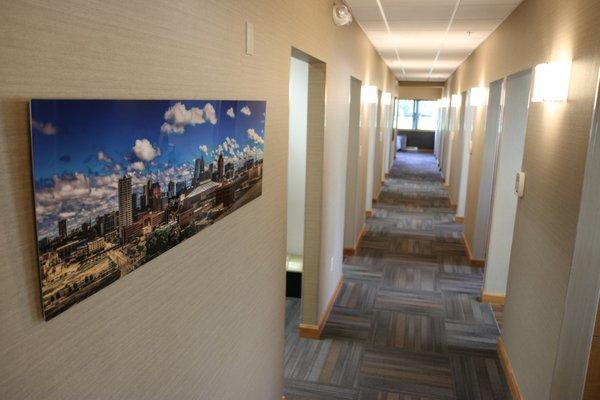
(83, 128)
(82, 147)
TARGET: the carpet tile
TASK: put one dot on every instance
(408, 323)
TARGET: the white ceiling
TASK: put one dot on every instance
(426, 40)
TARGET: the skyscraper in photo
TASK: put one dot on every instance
(146, 195)
(221, 167)
(180, 187)
(199, 170)
(134, 205)
(171, 189)
(62, 228)
(155, 197)
(125, 204)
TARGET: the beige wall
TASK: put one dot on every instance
(204, 320)
(419, 92)
(555, 150)
(354, 215)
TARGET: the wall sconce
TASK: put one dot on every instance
(551, 83)
(456, 100)
(386, 98)
(477, 96)
(369, 94)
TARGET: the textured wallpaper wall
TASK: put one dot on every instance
(554, 161)
(205, 320)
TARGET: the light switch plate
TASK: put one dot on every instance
(520, 184)
(249, 38)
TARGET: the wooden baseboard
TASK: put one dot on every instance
(453, 205)
(309, 331)
(493, 298)
(473, 262)
(459, 220)
(508, 371)
(376, 198)
(350, 251)
(369, 213)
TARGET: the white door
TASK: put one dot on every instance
(486, 181)
(510, 160)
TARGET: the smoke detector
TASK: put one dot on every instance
(341, 15)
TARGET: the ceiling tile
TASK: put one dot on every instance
(484, 11)
(419, 32)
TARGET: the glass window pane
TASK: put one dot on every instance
(404, 118)
(428, 115)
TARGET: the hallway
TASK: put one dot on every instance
(407, 323)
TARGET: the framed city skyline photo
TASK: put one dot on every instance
(119, 182)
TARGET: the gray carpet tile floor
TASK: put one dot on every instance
(407, 323)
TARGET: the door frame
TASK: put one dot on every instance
(501, 133)
(480, 246)
(583, 291)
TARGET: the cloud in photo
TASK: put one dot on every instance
(46, 128)
(230, 112)
(137, 166)
(172, 129)
(178, 117)
(210, 114)
(102, 156)
(144, 150)
(255, 137)
(230, 145)
(203, 148)
(67, 214)
(246, 110)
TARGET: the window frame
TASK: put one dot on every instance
(415, 115)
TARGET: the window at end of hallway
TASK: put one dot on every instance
(419, 115)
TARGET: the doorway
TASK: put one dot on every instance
(439, 132)
(504, 204)
(372, 172)
(387, 114)
(455, 104)
(443, 141)
(305, 189)
(354, 214)
(467, 119)
(488, 167)
(296, 189)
